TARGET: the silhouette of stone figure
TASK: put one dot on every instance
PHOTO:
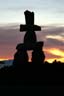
(21, 56)
(30, 36)
(30, 42)
(38, 56)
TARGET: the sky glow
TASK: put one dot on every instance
(48, 13)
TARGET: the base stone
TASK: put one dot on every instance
(29, 46)
(21, 56)
(38, 56)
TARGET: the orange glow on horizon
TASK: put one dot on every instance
(51, 51)
(57, 52)
(54, 52)
(50, 60)
(2, 59)
(9, 58)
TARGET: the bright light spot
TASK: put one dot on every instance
(30, 55)
(2, 59)
(55, 51)
(57, 59)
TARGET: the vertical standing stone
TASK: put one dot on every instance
(21, 56)
(38, 55)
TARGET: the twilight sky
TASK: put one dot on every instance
(48, 13)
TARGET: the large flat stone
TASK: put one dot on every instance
(28, 46)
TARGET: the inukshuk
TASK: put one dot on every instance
(30, 42)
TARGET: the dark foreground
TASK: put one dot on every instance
(32, 75)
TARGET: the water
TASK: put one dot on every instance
(6, 64)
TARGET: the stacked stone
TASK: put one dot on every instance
(30, 43)
(21, 56)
